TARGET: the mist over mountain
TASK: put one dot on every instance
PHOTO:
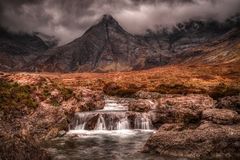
(119, 79)
(107, 47)
(74, 36)
(69, 19)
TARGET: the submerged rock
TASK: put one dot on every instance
(208, 141)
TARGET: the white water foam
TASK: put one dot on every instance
(113, 116)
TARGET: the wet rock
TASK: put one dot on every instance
(230, 102)
(91, 123)
(141, 105)
(208, 141)
(61, 133)
(221, 116)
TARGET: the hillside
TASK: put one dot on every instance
(107, 47)
(19, 49)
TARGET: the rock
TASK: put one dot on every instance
(141, 105)
(147, 95)
(55, 93)
(172, 127)
(192, 101)
(90, 101)
(208, 141)
(221, 116)
(230, 102)
(21, 149)
(91, 123)
(180, 109)
(61, 133)
(52, 133)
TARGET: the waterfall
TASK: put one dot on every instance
(101, 125)
(142, 121)
(114, 116)
(123, 124)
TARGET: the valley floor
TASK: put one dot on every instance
(196, 108)
(174, 79)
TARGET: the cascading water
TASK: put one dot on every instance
(114, 116)
(142, 121)
(101, 125)
(107, 134)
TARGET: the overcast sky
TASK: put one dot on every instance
(69, 19)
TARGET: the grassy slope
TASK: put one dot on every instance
(168, 79)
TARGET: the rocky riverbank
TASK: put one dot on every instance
(196, 127)
(35, 109)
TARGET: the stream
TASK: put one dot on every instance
(108, 134)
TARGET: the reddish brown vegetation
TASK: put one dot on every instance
(216, 80)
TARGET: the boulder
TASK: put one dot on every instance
(90, 100)
(221, 116)
(91, 123)
(61, 133)
(208, 141)
(180, 109)
(147, 95)
(141, 105)
(230, 102)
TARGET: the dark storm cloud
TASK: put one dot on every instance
(68, 19)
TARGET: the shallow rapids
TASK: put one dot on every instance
(108, 134)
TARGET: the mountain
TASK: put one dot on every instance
(17, 49)
(191, 41)
(221, 50)
(104, 47)
(50, 41)
(107, 47)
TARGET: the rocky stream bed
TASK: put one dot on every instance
(145, 126)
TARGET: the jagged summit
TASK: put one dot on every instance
(104, 47)
(107, 17)
(108, 20)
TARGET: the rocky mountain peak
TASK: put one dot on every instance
(108, 20)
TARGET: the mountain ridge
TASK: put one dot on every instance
(107, 47)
